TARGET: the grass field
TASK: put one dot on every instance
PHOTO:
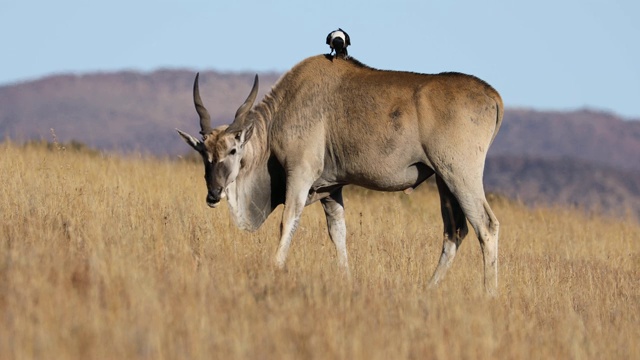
(106, 257)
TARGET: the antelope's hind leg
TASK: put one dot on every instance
(470, 195)
(455, 230)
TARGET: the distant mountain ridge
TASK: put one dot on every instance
(125, 111)
(585, 157)
(569, 181)
(588, 135)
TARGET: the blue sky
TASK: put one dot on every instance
(558, 55)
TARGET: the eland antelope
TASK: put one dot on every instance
(331, 122)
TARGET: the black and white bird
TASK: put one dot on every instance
(338, 40)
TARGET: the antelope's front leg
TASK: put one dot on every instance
(296, 196)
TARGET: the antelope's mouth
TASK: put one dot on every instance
(213, 199)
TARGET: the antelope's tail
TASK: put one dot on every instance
(499, 114)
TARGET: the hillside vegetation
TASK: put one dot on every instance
(105, 257)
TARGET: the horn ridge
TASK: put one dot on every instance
(205, 118)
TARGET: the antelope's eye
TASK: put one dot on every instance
(232, 152)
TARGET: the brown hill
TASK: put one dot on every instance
(121, 111)
(568, 181)
(582, 157)
(589, 135)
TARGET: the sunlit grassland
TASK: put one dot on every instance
(107, 257)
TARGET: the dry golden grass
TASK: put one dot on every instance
(119, 258)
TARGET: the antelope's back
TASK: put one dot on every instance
(361, 110)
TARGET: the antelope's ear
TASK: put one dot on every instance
(244, 135)
(193, 142)
(248, 131)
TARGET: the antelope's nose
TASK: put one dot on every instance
(213, 197)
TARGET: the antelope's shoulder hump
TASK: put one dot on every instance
(326, 65)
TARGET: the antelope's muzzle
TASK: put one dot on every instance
(213, 197)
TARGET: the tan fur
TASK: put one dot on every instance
(329, 123)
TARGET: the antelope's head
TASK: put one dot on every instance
(221, 148)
